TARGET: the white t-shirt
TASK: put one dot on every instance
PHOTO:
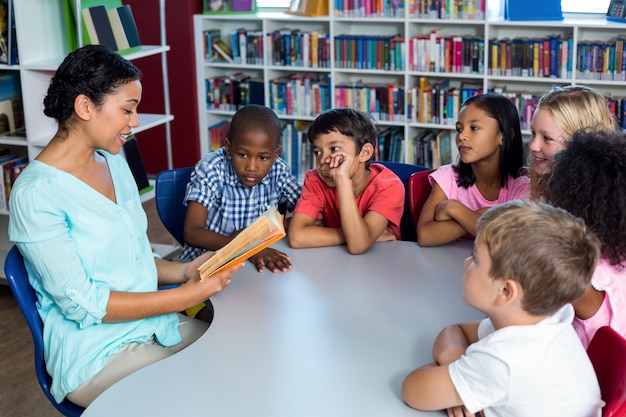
(528, 371)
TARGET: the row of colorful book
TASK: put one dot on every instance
(431, 148)
(438, 102)
(230, 92)
(369, 8)
(548, 56)
(452, 54)
(11, 165)
(602, 60)
(375, 52)
(296, 149)
(293, 47)
(390, 144)
(300, 94)
(447, 9)
(246, 46)
(384, 102)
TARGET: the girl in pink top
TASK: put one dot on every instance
(589, 180)
(489, 139)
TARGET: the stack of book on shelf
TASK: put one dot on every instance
(446, 9)
(460, 54)
(217, 134)
(296, 149)
(602, 60)
(370, 52)
(8, 39)
(11, 110)
(300, 94)
(385, 102)
(230, 92)
(293, 47)
(11, 165)
(432, 148)
(104, 22)
(390, 144)
(369, 8)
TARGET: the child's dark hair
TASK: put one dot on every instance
(589, 180)
(92, 70)
(255, 118)
(511, 154)
(349, 122)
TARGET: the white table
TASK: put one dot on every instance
(334, 337)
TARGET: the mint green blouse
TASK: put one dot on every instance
(78, 247)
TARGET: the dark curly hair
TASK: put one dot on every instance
(589, 180)
(512, 153)
(92, 70)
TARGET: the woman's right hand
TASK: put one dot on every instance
(211, 285)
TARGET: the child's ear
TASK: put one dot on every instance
(510, 290)
(277, 152)
(366, 152)
(227, 146)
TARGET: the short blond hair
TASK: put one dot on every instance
(550, 252)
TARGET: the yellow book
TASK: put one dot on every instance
(267, 229)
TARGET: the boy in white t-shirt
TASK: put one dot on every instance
(529, 262)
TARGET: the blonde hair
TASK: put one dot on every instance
(577, 107)
(550, 252)
(573, 108)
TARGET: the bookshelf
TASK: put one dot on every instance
(43, 43)
(406, 25)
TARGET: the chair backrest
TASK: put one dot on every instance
(607, 352)
(169, 191)
(26, 299)
(419, 190)
(404, 172)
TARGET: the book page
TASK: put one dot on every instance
(265, 230)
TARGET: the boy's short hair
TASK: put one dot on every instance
(349, 122)
(255, 118)
(550, 252)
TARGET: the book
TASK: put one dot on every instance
(100, 25)
(223, 50)
(135, 163)
(121, 41)
(130, 27)
(267, 229)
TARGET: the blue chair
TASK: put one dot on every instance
(404, 172)
(169, 191)
(25, 295)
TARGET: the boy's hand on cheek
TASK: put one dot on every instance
(339, 164)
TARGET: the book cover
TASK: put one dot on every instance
(267, 229)
(133, 157)
(118, 30)
(242, 5)
(90, 36)
(100, 20)
(130, 27)
(223, 51)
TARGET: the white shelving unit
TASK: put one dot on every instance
(594, 27)
(43, 44)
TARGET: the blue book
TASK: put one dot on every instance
(130, 27)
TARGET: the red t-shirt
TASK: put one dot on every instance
(384, 194)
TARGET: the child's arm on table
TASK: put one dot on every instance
(443, 221)
(307, 232)
(430, 387)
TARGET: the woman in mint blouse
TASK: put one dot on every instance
(76, 216)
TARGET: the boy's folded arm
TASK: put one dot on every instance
(361, 238)
(430, 388)
(453, 340)
(306, 232)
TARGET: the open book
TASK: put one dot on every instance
(265, 230)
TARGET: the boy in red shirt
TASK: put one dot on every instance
(345, 200)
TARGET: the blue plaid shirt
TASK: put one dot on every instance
(232, 205)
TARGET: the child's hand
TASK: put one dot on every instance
(273, 259)
(461, 411)
(386, 236)
(340, 163)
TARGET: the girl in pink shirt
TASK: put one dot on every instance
(589, 180)
(489, 139)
